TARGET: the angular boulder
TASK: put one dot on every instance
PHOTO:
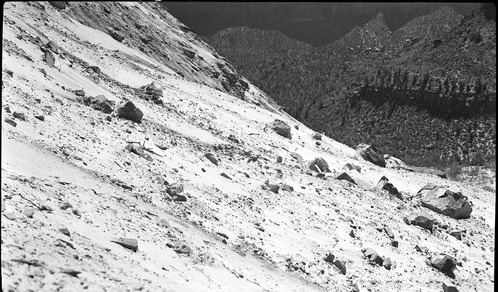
(384, 184)
(117, 35)
(129, 243)
(422, 219)
(128, 110)
(373, 256)
(100, 103)
(58, 4)
(443, 201)
(317, 136)
(370, 153)
(281, 128)
(444, 263)
(153, 89)
(346, 177)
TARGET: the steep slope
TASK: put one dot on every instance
(199, 193)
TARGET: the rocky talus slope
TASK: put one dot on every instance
(131, 165)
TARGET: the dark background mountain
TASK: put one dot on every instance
(315, 23)
(425, 93)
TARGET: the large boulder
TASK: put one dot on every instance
(370, 153)
(441, 200)
(128, 110)
(444, 263)
(281, 128)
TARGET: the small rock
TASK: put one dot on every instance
(211, 158)
(340, 266)
(448, 288)
(330, 258)
(351, 166)
(108, 118)
(77, 212)
(49, 59)
(444, 263)
(71, 272)
(317, 136)
(232, 138)
(387, 263)
(373, 256)
(421, 218)
(389, 232)
(321, 163)
(19, 115)
(352, 234)
(45, 207)
(281, 128)
(371, 153)
(287, 188)
(346, 177)
(421, 249)
(29, 212)
(79, 92)
(41, 118)
(395, 243)
(279, 159)
(184, 249)
(95, 69)
(160, 179)
(225, 176)
(10, 122)
(10, 215)
(457, 234)
(117, 35)
(65, 231)
(129, 243)
(65, 205)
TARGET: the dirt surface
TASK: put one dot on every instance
(231, 232)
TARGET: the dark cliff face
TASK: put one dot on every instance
(427, 102)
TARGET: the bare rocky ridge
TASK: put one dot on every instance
(196, 193)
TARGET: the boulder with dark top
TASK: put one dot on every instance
(49, 59)
(346, 177)
(384, 184)
(128, 110)
(444, 263)
(281, 128)
(340, 265)
(10, 122)
(153, 89)
(95, 69)
(58, 4)
(100, 103)
(211, 158)
(421, 218)
(117, 35)
(129, 243)
(449, 288)
(317, 136)
(20, 116)
(387, 263)
(321, 163)
(446, 202)
(226, 85)
(189, 53)
(373, 256)
(370, 153)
